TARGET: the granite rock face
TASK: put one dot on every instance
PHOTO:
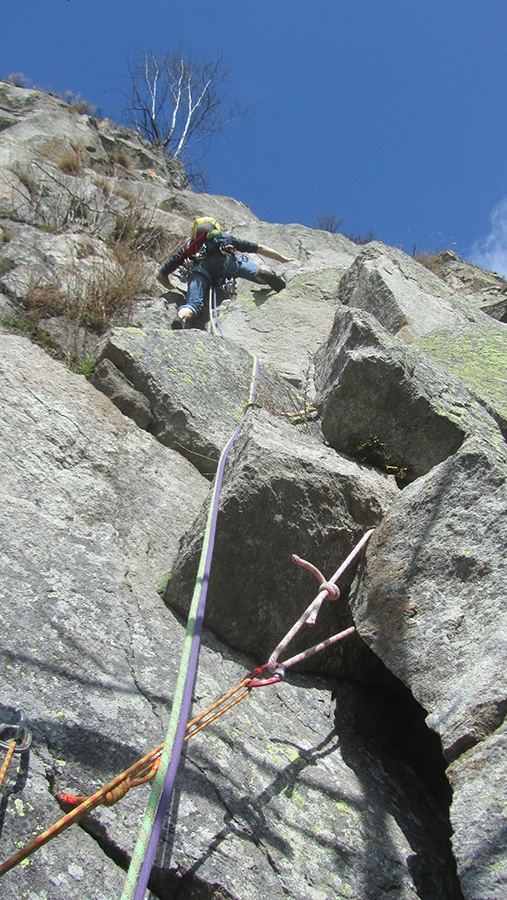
(371, 386)
(431, 605)
(189, 390)
(377, 767)
(91, 507)
(284, 493)
(407, 299)
(94, 509)
(485, 290)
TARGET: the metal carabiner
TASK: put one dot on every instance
(16, 731)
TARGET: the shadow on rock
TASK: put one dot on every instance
(398, 761)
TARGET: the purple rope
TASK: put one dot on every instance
(172, 769)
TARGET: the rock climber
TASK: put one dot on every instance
(213, 255)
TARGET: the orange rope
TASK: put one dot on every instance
(5, 766)
(138, 773)
(86, 806)
(118, 792)
(191, 727)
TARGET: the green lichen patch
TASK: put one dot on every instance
(478, 357)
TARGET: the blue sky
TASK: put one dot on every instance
(390, 114)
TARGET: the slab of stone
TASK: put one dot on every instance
(370, 387)
(478, 817)
(283, 493)
(406, 298)
(476, 355)
(93, 509)
(272, 798)
(486, 290)
(285, 330)
(196, 387)
(430, 604)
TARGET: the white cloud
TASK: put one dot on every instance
(491, 251)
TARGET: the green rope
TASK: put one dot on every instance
(146, 828)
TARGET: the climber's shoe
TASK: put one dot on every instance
(185, 320)
(274, 281)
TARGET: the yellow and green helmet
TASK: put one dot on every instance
(204, 224)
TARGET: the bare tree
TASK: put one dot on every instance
(176, 103)
(18, 80)
(328, 222)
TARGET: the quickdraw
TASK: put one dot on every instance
(146, 768)
(17, 732)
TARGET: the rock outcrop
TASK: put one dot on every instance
(281, 497)
(377, 767)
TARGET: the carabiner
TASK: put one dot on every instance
(16, 731)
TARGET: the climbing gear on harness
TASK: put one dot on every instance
(215, 240)
(196, 267)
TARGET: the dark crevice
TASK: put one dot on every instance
(383, 733)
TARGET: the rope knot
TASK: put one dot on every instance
(117, 793)
(333, 592)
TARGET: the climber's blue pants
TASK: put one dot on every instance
(210, 271)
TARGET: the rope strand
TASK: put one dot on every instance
(151, 826)
(6, 762)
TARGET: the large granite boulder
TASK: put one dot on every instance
(284, 493)
(370, 387)
(405, 297)
(441, 312)
(190, 389)
(37, 124)
(476, 355)
(285, 330)
(430, 605)
(485, 290)
(478, 780)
